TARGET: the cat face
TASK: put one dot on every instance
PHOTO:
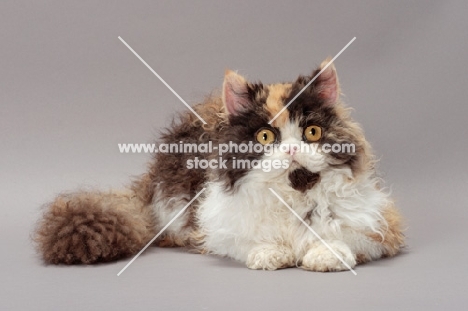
(314, 133)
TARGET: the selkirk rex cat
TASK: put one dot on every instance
(337, 194)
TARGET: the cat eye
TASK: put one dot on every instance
(266, 136)
(313, 133)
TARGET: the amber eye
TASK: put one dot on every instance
(265, 136)
(313, 133)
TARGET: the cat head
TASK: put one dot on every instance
(304, 131)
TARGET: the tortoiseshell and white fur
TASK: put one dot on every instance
(237, 216)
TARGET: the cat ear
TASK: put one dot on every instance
(327, 84)
(235, 93)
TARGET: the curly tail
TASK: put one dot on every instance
(89, 227)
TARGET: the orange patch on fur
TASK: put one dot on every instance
(275, 102)
(393, 236)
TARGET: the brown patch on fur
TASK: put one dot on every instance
(302, 179)
(320, 105)
(275, 102)
(144, 188)
(362, 258)
(168, 171)
(393, 239)
(90, 227)
(364, 160)
(242, 129)
(170, 241)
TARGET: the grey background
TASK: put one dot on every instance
(70, 91)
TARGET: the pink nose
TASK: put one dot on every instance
(293, 150)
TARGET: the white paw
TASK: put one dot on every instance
(320, 258)
(270, 258)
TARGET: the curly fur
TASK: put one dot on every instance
(90, 227)
(337, 194)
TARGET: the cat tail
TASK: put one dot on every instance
(87, 227)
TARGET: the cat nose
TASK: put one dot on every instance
(292, 149)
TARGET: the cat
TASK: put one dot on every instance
(336, 194)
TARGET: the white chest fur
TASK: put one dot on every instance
(234, 223)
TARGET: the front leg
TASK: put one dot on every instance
(320, 258)
(358, 245)
(270, 257)
(368, 245)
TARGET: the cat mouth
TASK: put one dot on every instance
(294, 164)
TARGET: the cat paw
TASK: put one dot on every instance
(320, 258)
(270, 258)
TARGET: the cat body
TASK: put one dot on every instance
(244, 212)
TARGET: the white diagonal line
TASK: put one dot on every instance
(162, 230)
(313, 79)
(313, 231)
(162, 80)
